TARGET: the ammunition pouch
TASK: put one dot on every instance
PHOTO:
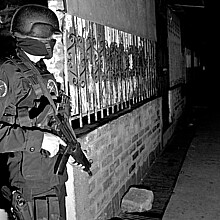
(46, 207)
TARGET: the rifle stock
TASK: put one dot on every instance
(73, 148)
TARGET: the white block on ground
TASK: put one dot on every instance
(3, 215)
(137, 200)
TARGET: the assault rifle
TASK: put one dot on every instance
(73, 148)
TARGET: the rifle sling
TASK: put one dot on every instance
(42, 85)
(46, 93)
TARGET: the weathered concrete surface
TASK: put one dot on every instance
(197, 192)
(136, 17)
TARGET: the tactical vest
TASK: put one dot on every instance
(33, 109)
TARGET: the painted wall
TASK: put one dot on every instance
(136, 17)
(177, 102)
(177, 74)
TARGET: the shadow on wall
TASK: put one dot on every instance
(4, 204)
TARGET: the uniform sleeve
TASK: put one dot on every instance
(12, 137)
(4, 93)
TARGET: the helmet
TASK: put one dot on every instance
(34, 21)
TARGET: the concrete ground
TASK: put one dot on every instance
(197, 191)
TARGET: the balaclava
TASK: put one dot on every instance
(36, 47)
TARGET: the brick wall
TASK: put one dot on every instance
(122, 151)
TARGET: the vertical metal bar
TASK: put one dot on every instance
(121, 54)
(148, 69)
(136, 69)
(94, 56)
(153, 63)
(141, 67)
(87, 73)
(117, 69)
(152, 54)
(147, 64)
(80, 33)
(155, 73)
(104, 42)
(124, 68)
(77, 57)
(89, 69)
(101, 78)
(129, 70)
(109, 63)
(112, 71)
(151, 85)
(152, 67)
(107, 66)
(132, 70)
(103, 56)
(144, 69)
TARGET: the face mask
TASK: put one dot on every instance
(36, 47)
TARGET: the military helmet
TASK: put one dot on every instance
(34, 21)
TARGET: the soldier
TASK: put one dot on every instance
(26, 132)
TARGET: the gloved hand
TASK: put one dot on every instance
(51, 143)
(73, 162)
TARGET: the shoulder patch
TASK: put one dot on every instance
(3, 89)
(52, 87)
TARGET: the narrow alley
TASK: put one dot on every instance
(197, 191)
(185, 178)
(137, 85)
